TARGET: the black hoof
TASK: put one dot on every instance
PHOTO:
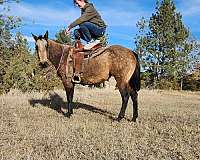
(68, 115)
(118, 119)
(133, 120)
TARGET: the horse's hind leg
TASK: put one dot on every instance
(134, 97)
(125, 97)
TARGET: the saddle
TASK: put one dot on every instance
(78, 53)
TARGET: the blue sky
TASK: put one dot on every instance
(121, 17)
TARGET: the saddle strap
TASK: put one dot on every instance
(77, 61)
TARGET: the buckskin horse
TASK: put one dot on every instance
(115, 60)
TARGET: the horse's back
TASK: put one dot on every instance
(121, 57)
(122, 54)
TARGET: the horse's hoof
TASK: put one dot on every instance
(118, 119)
(68, 115)
(133, 120)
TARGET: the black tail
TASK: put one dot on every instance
(135, 79)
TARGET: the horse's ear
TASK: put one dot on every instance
(35, 37)
(46, 35)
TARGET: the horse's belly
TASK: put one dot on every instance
(95, 70)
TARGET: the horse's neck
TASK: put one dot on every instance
(56, 51)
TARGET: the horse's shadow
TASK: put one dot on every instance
(57, 103)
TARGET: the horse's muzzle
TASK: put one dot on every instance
(43, 64)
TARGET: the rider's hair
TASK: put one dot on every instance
(86, 1)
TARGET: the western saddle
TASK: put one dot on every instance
(78, 54)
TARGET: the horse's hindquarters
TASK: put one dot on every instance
(123, 64)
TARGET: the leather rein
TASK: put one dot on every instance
(51, 66)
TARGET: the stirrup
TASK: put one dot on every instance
(76, 78)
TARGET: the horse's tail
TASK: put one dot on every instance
(135, 79)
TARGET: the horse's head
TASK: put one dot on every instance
(41, 45)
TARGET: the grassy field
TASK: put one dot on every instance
(32, 126)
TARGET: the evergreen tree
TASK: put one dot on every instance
(18, 67)
(7, 44)
(164, 43)
(19, 71)
(104, 39)
(61, 37)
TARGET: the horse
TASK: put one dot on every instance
(117, 61)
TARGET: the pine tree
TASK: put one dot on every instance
(7, 23)
(19, 71)
(164, 43)
(17, 65)
(61, 37)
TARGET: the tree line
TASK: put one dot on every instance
(167, 50)
(168, 53)
(18, 67)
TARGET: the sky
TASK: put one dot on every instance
(120, 16)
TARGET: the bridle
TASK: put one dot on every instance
(60, 61)
(61, 58)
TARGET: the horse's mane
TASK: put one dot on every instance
(58, 43)
(40, 37)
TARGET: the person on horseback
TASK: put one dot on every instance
(91, 25)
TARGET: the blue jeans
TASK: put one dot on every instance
(88, 31)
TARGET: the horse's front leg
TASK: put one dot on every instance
(70, 94)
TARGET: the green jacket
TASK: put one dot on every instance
(89, 14)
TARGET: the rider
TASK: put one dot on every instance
(91, 25)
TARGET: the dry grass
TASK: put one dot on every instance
(32, 126)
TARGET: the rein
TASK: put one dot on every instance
(61, 58)
(48, 74)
